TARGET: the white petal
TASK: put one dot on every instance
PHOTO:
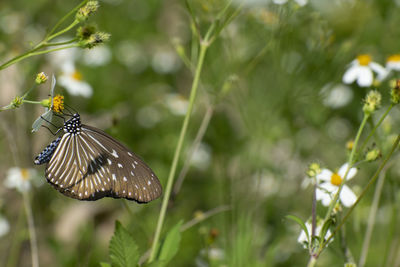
(351, 74)
(365, 76)
(380, 70)
(279, 2)
(324, 197)
(327, 186)
(325, 175)
(301, 2)
(347, 197)
(343, 169)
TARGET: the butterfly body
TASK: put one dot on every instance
(88, 164)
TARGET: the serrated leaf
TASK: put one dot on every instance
(105, 264)
(123, 249)
(170, 245)
(301, 223)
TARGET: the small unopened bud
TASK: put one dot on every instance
(313, 169)
(372, 102)
(350, 264)
(350, 145)
(95, 39)
(46, 102)
(41, 78)
(17, 102)
(372, 154)
(87, 10)
(84, 32)
(395, 93)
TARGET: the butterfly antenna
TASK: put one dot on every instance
(55, 114)
(49, 130)
(69, 108)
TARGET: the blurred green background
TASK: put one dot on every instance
(277, 63)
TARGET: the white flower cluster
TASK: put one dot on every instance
(362, 69)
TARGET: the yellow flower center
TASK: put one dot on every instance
(394, 58)
(25, 174)
(76, 75)
(364, 59)
(58, 103)
(336, 179)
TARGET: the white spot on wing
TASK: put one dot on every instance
(109, 161)
(115, 154)
(148, 182)
(130, 154)
(114, 177)
(125, 180)
(120, 165)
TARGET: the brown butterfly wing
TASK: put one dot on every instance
(91, 164)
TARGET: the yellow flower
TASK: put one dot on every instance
(58, 103)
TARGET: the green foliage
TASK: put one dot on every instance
(123, 248)
(170, 245)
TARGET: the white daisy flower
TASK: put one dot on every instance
(97, 56)
(303, 239)
(4, 226)
(361, 70)
(329, 183)
(282, 2)
(176, 103)
(393, 63)
(19, 178)
(336, 96)
(71, 80)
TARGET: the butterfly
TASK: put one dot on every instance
(85, 163)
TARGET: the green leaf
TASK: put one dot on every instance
(123, 249)
(301, 223)
(105, 264)
(170, 245)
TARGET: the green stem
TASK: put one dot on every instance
(30, 102)
(33, 53)
(366, 188)
(73, 24)
(376, 127)
(350, 161)
(64, 18)
(31, 228)
(371, 219)
(193, 91)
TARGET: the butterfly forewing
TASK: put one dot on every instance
(90, 164)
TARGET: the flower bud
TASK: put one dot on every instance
(95, 39)
(313, 169)
(41, 78)
(372, 154)
(372, 102)
(87, 10)
(395, 93)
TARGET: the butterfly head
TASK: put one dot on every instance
(73, 125)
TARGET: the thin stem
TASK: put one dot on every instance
(33, 53)
(31, 228)
(376, 127)
(65, 18)
(30, 102)
(205, 216)
(168, 189)
(312, 261)
(73, 24)
(314, 211)
(350, 163)
(200, 134)
(371, 218)
(366, 188)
